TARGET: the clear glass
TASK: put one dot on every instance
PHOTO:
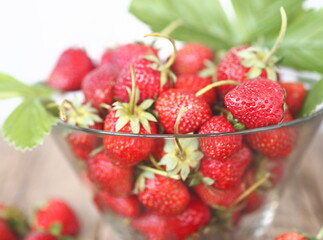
(263, 180)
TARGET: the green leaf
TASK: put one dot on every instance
(302, 46)
(10, 87)
(28, 124)
(207, 22)
(313, 99)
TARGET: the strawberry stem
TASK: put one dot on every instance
(251, 189)
(164, 70)
(66, 104)
(280, 36)
(154, 162)
(159, 172)
(215, 84)
(178, 144)
(172, 58)
(132, 101)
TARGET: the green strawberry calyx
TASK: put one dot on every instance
(133, 113)
(258, 58)
(78, 114)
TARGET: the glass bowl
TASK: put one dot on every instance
(239, 204)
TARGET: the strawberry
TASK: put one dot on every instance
(153, 226)
(290, 236)
(126, 54)
(275, 143)
(276, 169)
(126, 151)
(129, 118)
(5, 232)
(72, 65)
(193, 83)
(40, 236)
(98, 85)
(295, 94)
(191, 58)
(256, 103)
(56, 214)
(254, 201)
(230, 67)
(244, 63)
(127, 206)
(226, 173)
(148, 80)
(214, 197)
(108, 177)
(169, 104)
(164, 195)
(108, 58)
(82, 144)
(192, 220)
(158, 149)
(219, 147)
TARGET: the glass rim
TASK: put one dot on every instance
(193, 135)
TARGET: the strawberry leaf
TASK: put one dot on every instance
(302, 46)
(313, 100)
(11, 88)
(28, 124)
(240, 23)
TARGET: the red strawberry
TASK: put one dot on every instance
(40, 236)
(5, 232)
(153, 227)
(98, 85)
(126, 54)
(164, 195)
(147, 80)
(193, 83)
(276, 169)
(256, 103)
(127, 206)
(242, 64)
(226, 173)
(215, 197)
(254, 201)
(158, 149)
(275, 143)
(219, 147)
(108, 58)
(71, 67)
(129, 118)
(290, 236)
(109, 177)
(126, 151)
(56, 212)
(295, 94)
(193, 219)
(169, 105)
(82, 144)
(191, 58)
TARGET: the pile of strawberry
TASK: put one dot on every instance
(54, 221)
(172, 188)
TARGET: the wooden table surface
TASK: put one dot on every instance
(27, 179)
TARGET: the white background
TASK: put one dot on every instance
(34, 32)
